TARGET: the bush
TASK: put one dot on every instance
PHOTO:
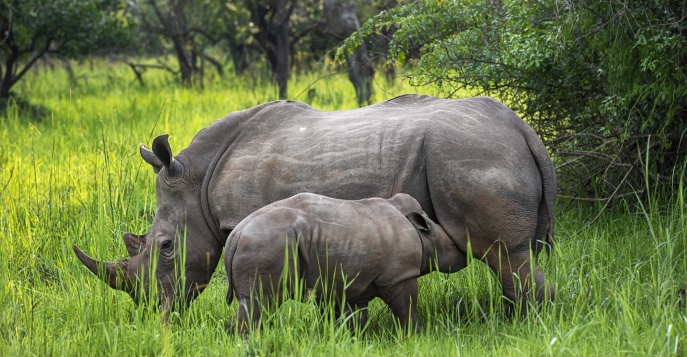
(603, 83)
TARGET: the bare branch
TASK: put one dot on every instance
(139, 75)
(32, 61)
(612, 196)
(305, 31)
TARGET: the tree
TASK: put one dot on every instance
(272, 21)
(603, 82)
(277, 26)
(31, 29)
(187, 26)
(234, 29)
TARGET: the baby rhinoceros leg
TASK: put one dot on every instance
(402, 300)
(259, 278)
(247, 316)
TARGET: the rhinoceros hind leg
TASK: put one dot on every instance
(520, 278)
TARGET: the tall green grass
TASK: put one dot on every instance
(75, 176)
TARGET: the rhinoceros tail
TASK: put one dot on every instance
(545, 227)
(229, 252)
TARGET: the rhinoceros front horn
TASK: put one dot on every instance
(113, 273)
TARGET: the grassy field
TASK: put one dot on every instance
(74, 176)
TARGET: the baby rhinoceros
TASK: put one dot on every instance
(336, 249)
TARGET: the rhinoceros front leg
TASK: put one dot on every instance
(402, 300)
(355, 315)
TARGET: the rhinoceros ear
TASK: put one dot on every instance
(419, 221)
(134, 243)
(150, 158)
(163, 152)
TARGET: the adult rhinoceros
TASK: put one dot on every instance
(475, 167)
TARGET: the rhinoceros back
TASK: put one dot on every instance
(445, 153)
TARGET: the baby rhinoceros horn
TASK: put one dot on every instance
(113, 273)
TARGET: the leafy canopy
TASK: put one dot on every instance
(30, 29)
(603, 82)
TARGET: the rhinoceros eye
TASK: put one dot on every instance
(166, 245)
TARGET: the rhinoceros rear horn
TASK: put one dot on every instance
(163, 153)
(113, 273)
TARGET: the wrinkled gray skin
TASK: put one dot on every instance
(473, 165)
(372, 247)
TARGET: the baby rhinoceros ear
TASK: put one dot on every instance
(419, 221)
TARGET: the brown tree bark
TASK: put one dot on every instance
(283, 46)
(174, 26)
(272, 19)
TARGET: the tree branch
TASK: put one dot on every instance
(212, 39)
(139, 75)
(305, 31)
(163, 22)
(215, 63)
(32, 61)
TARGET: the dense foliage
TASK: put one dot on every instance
(603, 82)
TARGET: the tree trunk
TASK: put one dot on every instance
(385, 37)
(239, 58)
(70, 72)
(274, 38)
(283, 53)
(5, 89)
(360, 73)
(184, 66)
(8, 77)
(342, 22)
